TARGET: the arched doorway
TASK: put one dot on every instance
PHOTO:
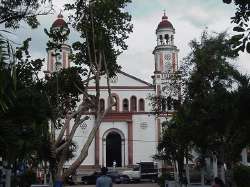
(113, 149)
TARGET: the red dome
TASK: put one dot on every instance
(165, 23)
(59, 22)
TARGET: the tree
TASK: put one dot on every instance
(103, 26)
(175, 143)
(241, 19)
(214, 98)
(24, 126)
(11, 13)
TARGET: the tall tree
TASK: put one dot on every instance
(11, 14)
(212, 96)
(103, 27)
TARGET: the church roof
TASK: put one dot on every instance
(165, 23)
(59, 22)
(135, 78)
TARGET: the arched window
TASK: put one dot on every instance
(141, 105)
(166, 38)
(115, 103)
(172, 39)
(133, 104)
(161, 39)
(102, 105)
(125, 105)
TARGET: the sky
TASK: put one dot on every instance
(189, 18)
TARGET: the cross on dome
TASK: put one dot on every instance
(164, 17)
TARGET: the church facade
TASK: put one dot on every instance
(130, 132)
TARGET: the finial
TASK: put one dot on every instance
(164, 17)
(60, 14)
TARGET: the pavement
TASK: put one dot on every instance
(136, 185)
(123, 185)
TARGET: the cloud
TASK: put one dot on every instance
(189, 18)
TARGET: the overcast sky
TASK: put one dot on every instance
(189, 18)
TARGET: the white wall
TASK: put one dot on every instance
(144, 138)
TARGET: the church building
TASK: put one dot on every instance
(130, 132)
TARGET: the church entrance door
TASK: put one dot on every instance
(113, 149)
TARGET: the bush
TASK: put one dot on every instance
(28, 178)
(163, 177)
(241, 175)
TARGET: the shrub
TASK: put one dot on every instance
(241, 175)
(163, 177)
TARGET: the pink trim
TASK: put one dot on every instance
(161, 62)
(174, 62)
(130, 143)
(64, 59)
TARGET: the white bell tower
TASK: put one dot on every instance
(165, 53)
(59, 58)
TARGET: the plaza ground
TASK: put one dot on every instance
(133, 185)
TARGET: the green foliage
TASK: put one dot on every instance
(14, 11)
(63, 89)
(241, 175)
(241, 19)
(214, 99)
(164, 177)
(28, 178)
(27, 118)
(7, 74)
(104, 26)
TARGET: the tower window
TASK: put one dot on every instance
(141, 105)
(161, 39)
(133, 104)
(125, 105)
(166, 38)
(172, 39)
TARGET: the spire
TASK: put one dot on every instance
(164, 17)
(60, 15)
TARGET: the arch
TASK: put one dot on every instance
(113, 147)
(166, 37)
(102, 105)
(141, 105)
(161, 39)
(125, 105)
(133, 104)
(172, 39)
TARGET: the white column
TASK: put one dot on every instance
(215, 166)
(244, 156)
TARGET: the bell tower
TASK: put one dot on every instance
(165, 54)
(59, 58)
